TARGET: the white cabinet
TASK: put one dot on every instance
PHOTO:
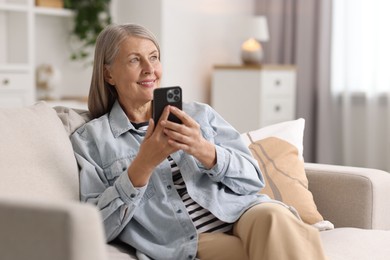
(251, 97)
(15, 36)
(14, 90)
(29, 36)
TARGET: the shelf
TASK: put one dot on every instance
(13, 7)
(254, 67)
(78, 103)
(14, 68)
(54, 11)
(60, 12)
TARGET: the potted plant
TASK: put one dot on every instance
(91, 16)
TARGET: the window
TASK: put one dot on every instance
(361, 46)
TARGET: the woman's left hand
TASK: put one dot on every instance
(187, 137)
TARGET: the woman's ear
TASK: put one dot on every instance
(107, 76)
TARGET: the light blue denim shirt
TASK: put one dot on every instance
(153, 218)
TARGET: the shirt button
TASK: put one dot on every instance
(192, 237)
(190, 257)
(169, 187)
(179, 211)
(132, 195)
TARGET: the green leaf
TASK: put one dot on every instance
(87, 24)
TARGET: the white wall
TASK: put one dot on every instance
(145, 12)
(194, 35)
(75, 76)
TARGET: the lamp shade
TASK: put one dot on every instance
(259, 28)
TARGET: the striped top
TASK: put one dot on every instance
(202, 218)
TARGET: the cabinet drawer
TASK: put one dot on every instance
(15, 81)
(277, 109)
(278, 83)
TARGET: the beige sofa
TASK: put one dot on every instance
(42, 219)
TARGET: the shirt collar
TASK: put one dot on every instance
(118, 120)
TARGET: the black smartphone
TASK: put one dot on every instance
(166, 96)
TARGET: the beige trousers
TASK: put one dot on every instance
(265, 231)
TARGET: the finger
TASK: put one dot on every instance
(150, 129)
(178, 146)
(185, 119)
(165, 113)
(164, 116)
(176, 136)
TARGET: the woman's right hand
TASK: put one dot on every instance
(153, 150)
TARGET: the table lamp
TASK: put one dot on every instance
(251, 50)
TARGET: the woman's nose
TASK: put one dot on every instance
(148, 67)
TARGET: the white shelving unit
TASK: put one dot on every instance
(15, 58)
(29, 36)
(251, 97)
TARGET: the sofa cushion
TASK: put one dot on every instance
(36, 156)
(72, 118)
(356, 244)
(279, 151)
(120, 251)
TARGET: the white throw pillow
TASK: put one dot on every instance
(36, 156)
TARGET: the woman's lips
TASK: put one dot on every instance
(146, 83)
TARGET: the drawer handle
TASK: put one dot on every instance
(5, 82)
(278, 82)
(277, 108)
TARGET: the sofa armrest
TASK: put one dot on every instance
(42, 230)
(351, 196)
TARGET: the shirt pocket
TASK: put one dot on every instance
(115, 169)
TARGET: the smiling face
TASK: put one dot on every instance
(135, 73)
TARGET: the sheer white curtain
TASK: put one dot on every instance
(360, 84)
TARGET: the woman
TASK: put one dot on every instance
(174, 191)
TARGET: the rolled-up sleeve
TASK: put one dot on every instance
(235, 167)
(116, 201)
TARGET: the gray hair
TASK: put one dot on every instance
(103, 95)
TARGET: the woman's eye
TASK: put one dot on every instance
(154, 58)
(134, 60)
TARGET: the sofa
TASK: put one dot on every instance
(41, 217)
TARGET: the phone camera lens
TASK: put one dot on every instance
(176, 98)
(170, 95)
(176, 91)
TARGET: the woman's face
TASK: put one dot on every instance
(136, 72)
